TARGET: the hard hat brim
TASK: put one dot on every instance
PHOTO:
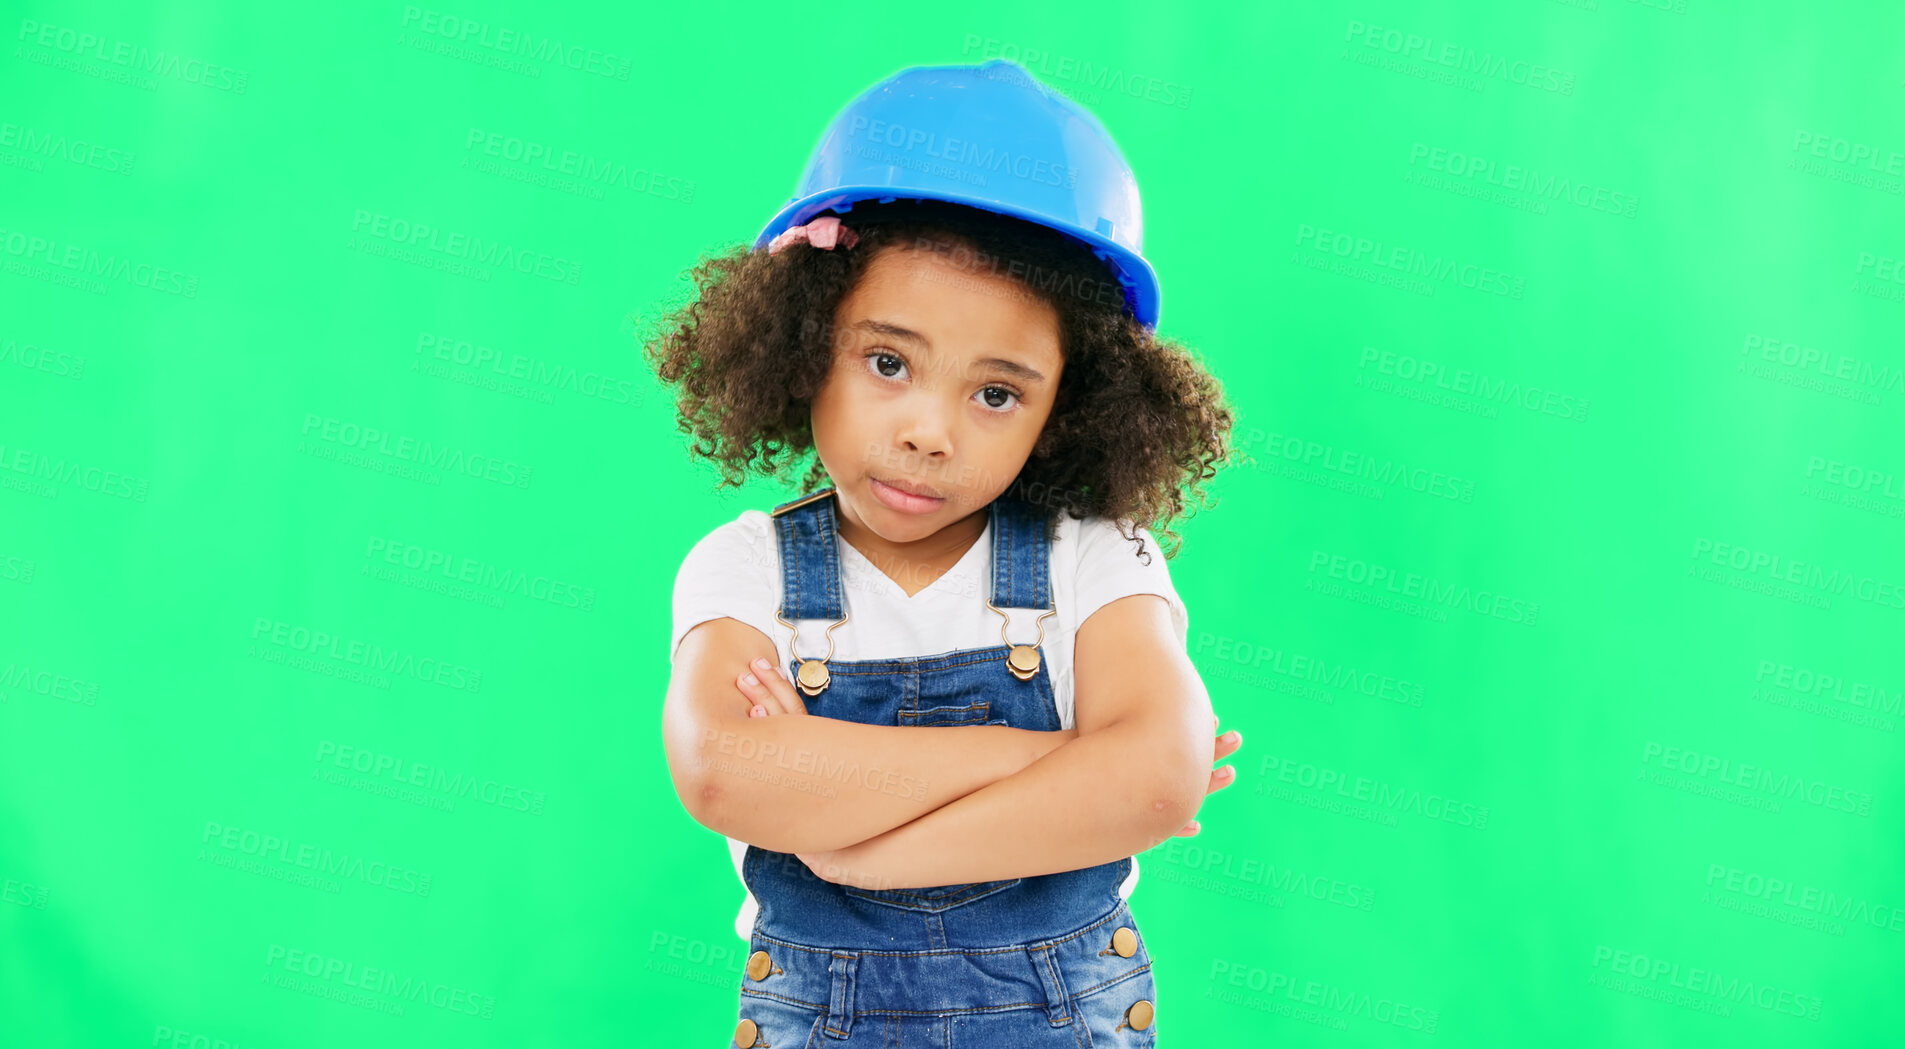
(1133, 273)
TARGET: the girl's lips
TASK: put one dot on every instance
(904, 502)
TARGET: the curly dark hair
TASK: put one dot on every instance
(752, 348)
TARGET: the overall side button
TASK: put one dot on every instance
(759, 965)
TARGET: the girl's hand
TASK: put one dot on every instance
(1227, 745)
(851, 865)
(771, 694)
(768, 691)
(816, 862)
(825, 865)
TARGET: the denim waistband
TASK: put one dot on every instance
(1049, 974)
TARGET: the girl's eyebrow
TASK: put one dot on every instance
(1001, 364)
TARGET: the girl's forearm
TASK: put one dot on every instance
(809, 784)
(1087, 802)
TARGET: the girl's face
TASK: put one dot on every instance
(942, 380)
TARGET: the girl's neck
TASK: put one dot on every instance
(914, 566)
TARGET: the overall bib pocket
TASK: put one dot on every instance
(934, 897)
(978, 712)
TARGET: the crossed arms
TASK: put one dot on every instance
(891, 807)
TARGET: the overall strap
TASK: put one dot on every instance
(1021, 555)
(810, 567)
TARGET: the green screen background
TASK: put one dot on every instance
(1559, 602)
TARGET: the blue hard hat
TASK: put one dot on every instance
(990, 136)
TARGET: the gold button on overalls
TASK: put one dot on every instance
(758, 965)
(744, 1033)
(1139, 1015)
(1124, 941)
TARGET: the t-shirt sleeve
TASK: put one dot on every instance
(1110, 567)
(729, 573)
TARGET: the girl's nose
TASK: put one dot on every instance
(925, 434)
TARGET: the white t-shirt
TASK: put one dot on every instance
(734, 572)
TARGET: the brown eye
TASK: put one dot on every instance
(1001, 391)
(877, 358)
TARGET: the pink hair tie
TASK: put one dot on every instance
(822, 233)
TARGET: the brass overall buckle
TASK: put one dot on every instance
(1022, 660)
(812, 676)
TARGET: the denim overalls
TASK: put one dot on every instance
(1050, 960)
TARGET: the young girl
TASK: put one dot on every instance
(954, 317)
